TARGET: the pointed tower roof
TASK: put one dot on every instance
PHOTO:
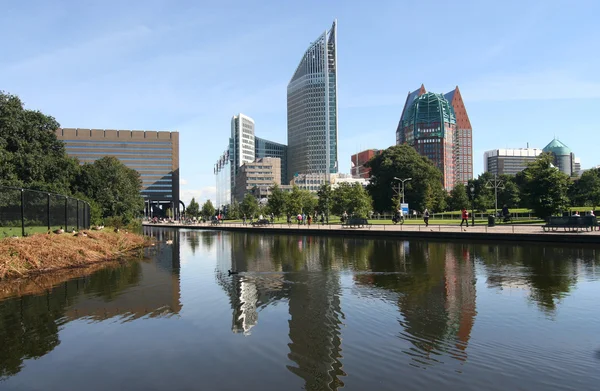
(456, 101)
(557, 147)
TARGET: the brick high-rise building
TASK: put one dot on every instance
(438, 126)
(358, 160)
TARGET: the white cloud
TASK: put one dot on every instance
(183, 182)
(201, 195)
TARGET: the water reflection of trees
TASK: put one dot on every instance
(29, 324)
(548, 273)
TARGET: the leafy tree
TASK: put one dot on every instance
(193, 209)
(585, 191)
(544, 186)
(352, 199)
(341, 199)
(324, 198)
(113, 186)
(484, 195)
(249, 205)
(30, 154)
(309, 202)
(423, 191)
(276, 202)
(233, 212)
(511, 194)
(208, 210)
(294, 201)
(458, 198)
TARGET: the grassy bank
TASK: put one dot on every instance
(33, 255)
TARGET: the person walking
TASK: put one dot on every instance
(465, 217)
(426, 217)
(309, 220)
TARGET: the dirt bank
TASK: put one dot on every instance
(37, 254)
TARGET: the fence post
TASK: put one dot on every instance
(77, 214)
(66, 213)
(48, 212)
(22, 212)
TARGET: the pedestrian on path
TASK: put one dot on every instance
(465, 217)
(426, 217)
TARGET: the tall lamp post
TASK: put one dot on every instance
(402, 181)
(472, 205)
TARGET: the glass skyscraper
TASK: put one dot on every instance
(312, 109)
(267, 148)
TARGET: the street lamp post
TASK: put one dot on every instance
(402, 181)
(472, 205)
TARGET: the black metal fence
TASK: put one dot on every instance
(24, 212)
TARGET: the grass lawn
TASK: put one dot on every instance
(7, 232)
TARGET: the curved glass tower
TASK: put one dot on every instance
(312, 110)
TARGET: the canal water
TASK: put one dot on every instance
(315, 313)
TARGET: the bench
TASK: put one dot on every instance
(261, 223)
(571, 223)
(356, 222)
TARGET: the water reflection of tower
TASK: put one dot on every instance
(251, 291)
(460, 296)
(314, 327)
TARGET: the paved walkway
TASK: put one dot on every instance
(532, 232)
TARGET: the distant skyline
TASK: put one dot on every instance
(527, 71)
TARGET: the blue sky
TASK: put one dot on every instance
(527, 70)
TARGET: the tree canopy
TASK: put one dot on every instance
(193, 209)
(208, 210)
(458, 198)
(585, 191)
(425, 190)
(352, 199)
(30, 154)
(276, 202)
(113, 186)
(249, 206)
(544, 186)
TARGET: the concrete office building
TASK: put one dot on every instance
(155, 155)
(457, 162)
(262, 173)
(312, 110)
(509, 161)
(241, 144)
(267, 148)
(358, 161)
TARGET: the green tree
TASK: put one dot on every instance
(249, 206)
(510, 195)
(341, 199)
(458, 198)
(484, 194)
(193, 209)
(30, 154)
(544, 186)
(208, 210)
(324, 199)
(423, 191)
(294, 201)
(276, 202)
(309, 202)
(113, 186)
(233, 212)
(585, 191)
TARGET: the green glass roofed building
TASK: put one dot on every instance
(429, 125)
(312, 110)
(564, 159)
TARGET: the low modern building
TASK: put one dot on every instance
(338, 179)
(358, 161)
(509, 161)
(154, 154)
(262, 173)
(310, 182)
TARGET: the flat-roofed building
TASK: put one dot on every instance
(153, 154)
(509, 161)
(262, 173)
